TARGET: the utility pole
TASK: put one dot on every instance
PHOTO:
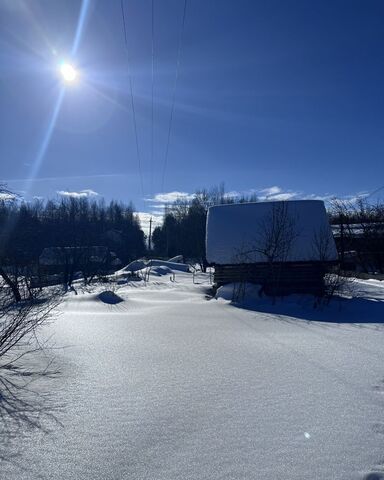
(150, 233)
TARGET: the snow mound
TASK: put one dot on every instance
(182, 267)
(161, 270)
(139, 265)
(109, 297)
(134, 266)
(177, 259)
(228, 292)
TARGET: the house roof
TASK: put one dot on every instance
(62, 255)
(294, 230)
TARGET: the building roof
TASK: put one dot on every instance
(294, 230)
(63, 255)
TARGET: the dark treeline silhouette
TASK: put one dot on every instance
(359, 233)
(184, 225)
(358, 228)
(74, 226)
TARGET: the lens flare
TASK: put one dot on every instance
(68, 72)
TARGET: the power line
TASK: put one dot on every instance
(152, 88)
(174, 93)
(150, 234)
(374, 191)
(132, 101)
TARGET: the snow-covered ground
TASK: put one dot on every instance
(168, 385)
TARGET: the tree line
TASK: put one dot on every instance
(359, 233)
(184, 224)
(76, 230)
(358, 229)
(69, 228)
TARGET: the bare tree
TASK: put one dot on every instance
(359, 229)
(6, 195)
(278, 231)
(272, 245)
(336, 283)
(322, 245)
(341, 215)
(18, 325)
(19, 346)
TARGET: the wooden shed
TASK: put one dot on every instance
(285, 246)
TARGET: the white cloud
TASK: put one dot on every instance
(266, 192)
(144, 217)
(277, 193)
(349, 199)
(235, 194)
(161, 200)
(170, 197)
(81, 194)
(270, 193)
(273, 193)
(325, 198)
(357, 196)
(283, 196)
(158, 206)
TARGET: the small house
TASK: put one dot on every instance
(285, 246)
(62, 264)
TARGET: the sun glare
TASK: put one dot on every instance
(68, 72)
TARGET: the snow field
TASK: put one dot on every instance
(168, 385)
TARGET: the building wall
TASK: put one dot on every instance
(277, 278)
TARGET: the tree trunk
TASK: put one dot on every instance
(11, 284)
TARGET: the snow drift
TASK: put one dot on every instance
(110, 297)
(182, 267)
(138, 265)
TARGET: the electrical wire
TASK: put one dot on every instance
(174, 94)
(374, 191)
(132, 100)
(152, 95)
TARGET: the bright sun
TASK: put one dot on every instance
(68, 72)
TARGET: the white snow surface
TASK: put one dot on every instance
(238, 228)
(182, 267)
(137, 265)
(167, 385)
(161, 270)
(134, 266)
(176, 259)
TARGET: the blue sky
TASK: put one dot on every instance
(280, 97)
